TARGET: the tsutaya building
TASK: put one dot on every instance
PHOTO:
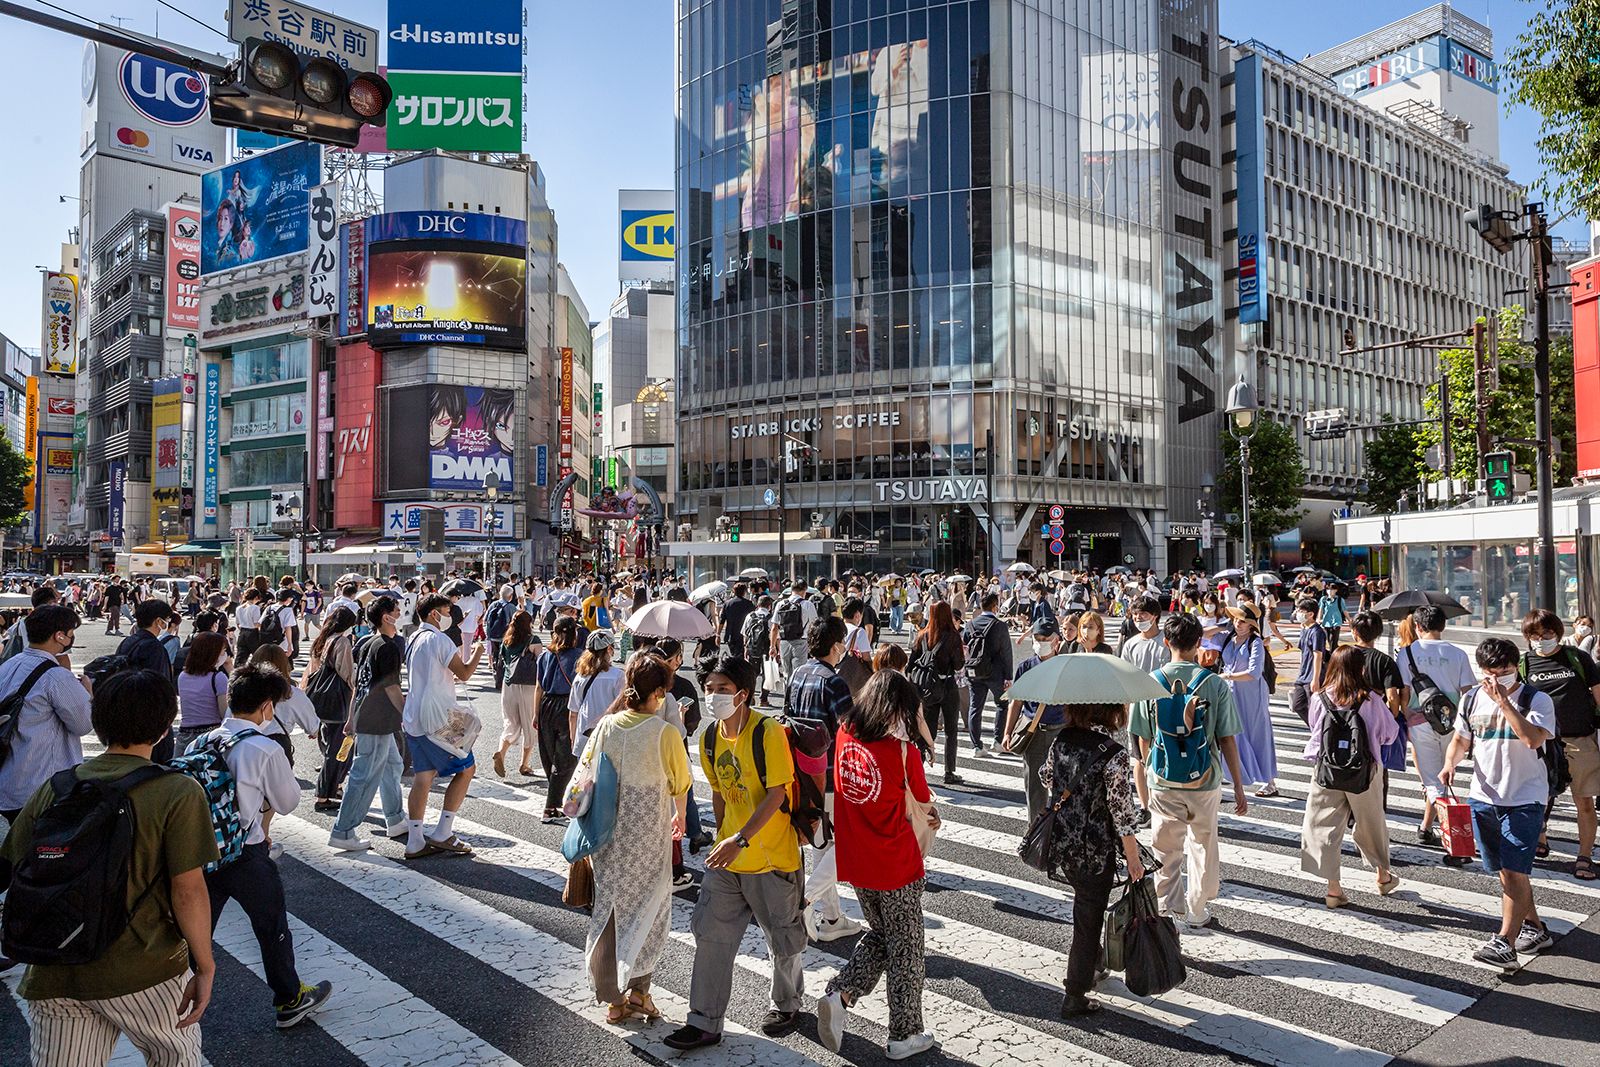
(942, 281)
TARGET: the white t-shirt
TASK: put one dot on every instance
(594, 697)
(1505, 771)
(262, 775)
(247, 616)
(855, 639)
(286, 619)
(433, 685)
(1449, 667)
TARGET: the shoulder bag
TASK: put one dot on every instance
(922, 816)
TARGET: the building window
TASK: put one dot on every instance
(272, 363)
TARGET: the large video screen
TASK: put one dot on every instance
(447, 295)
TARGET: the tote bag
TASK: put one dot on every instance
(590, 831)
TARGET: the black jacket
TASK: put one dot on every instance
(145, 652)
(996, 663)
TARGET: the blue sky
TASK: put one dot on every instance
(600, 94)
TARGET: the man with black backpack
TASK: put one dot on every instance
(987, 641)
(140, 964)
(1572, 681)
(793, 614)
(496, 621)
(44, 710)
(1182, 742)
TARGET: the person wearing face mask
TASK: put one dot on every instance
(1243, 667)
(1313, 658)
(632, 871)
(1146, 650)
(55, 707)
(435, 665)
(1502, 724)
(1448, 668)
(1214, 631)
(1583, 635)
(1571, 679)
(1046, 643)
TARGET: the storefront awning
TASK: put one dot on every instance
(194, 550)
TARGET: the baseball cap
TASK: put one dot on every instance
(600, 640)
(1046, 627)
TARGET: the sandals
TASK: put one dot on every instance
(500, 764)
(1268, 790)
(643, 1005)
(453, 845)
(1389, 886)
(1542, 850)
(1583, 869)
(1338, 900)
(618, 1013)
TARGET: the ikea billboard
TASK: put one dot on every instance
(645, 230)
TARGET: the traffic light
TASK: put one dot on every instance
(944, 528)
(1493, 226)
(1498, 476)
(733, 531)
(274, 90)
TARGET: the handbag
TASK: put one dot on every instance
(590, 831)
(1119, 913)
(771, 680)
(579, 890)
(1152, 957)
(919, 814)
(460, 730)
(1025, 733)
(1035, 846)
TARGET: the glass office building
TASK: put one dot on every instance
(944, 265)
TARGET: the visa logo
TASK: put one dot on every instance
(189, 153)
(651, 236)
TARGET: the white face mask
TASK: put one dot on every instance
(721, 706)
(1042, 649)
(1546, 646)
(1582, 631)
(1506, 682)
(1147, 626)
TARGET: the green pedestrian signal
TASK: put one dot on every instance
(944, 529)
(1499, 476)
(733, 532)
(1500, 490)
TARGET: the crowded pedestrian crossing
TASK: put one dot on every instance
(469, 961)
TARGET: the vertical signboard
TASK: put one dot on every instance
(119, 483)
(599, 408)
(166, 451)
(210, 459)
(564, 443)
(58, 331)
(322, 264)
(80, 445)
(1250, 131)
(30, 440)
(541, 466)
(355, 453)
(456, 72)
(353, 278)
(55, 502)
(646, 231)
(183, 269)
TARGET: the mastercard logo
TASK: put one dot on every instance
(133, 138)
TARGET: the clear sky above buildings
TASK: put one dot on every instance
(600, 95)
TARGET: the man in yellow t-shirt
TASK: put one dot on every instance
(592, 606)
(753, 870)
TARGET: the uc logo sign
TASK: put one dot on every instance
(647, 235)
(162, 92)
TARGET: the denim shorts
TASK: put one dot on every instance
(1507, 836)
(427, 756)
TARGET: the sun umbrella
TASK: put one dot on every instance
(1086, 678)
(352, 576)
(888, 578)
(1304, 569)
(1399, 605)
(461, 587)
(709, 590)
(1229, 573)
(1060, 576)
(1119, 569)
(752, 572)
(961, 577)
(1266, 578)
(1020, 567)
(670, 618)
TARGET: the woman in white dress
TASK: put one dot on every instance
(633, 870)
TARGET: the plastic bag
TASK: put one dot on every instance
(460, 730)
(771, 680)
(1153, 960)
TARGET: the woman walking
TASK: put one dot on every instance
(1329, 810)
(1092, 634)
(936, 657)
(202, 689)
(633, 870)
(555, 672)
(247, 617)
(1243, 667)
(330, 679)
(1088, 778)
(375, 723)
(519, 657)
(878, 853)
(596, 688)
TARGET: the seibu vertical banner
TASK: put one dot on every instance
(564, 454)
(183, 268)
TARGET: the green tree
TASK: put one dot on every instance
(14, 477)
(1394, 466)
(1551, 70)
(1277, 478)
(1509, 404)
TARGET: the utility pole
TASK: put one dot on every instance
(1540, 254)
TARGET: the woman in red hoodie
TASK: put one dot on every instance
(874, 768)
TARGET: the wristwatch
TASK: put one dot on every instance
(742, 841)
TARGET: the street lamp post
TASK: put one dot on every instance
(491, 490)
(1242, 408)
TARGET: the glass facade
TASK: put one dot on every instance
(270, 364)
(912, 232)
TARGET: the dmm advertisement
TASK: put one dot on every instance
(446, 278)
(471, 431)
(257, 209)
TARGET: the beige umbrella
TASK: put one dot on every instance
(670, 618)
(1086, 678)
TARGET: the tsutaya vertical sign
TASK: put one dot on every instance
(564, 455)
(1191, 273)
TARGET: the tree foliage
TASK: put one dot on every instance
(1393, 465)
(1551, 70)
(14, 476)
(1510, 404)
(1277, 478)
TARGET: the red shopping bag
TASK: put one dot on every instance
(1455, 827)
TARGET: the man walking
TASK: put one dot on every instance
(734, 615)
(1450, 671)
(988, 645)
(496, 621)
(55, 708)
(791, 618)
(435, 664)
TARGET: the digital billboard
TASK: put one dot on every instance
(258, 208)
(471, 431)
(436, 278)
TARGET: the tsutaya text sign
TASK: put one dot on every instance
(931, 490)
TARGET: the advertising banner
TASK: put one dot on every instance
(254, 306)
(257, 209)
(19, 362)
(541, 465)
(599, 407)
(58, 335)
(80, 448)
(1251, 135)
(485, 36)
(60, 407)
(564, 441)
(306, 30)
(165, 420)
(183, 269)
(353, 278)
(322, 265)
(30, 439)
(355, 453)
(55, 504)
(647, 232)
(211, 454)
(446, 278)
(118, 499)
(147, 110)
(457, 112)
(404, 521)
(471, 431)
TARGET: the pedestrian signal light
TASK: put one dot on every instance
(733, 532)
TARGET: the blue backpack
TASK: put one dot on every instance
(206, 762)
(1181, 752)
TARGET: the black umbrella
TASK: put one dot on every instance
(461, 587)
(1399, 605)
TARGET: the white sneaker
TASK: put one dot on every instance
(809, 918)
(399, 829)
(911, 1046)
(830, 1021)
(834, 929)
(1198, 922)
(348, 843)
(978, 750)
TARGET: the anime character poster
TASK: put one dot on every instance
(258, 208)
(471, 431)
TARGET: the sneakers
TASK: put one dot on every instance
(1499, 952)
(310, 999)
(831, 1021)
(1143, 818)
(348, 843)
(1198, 922)
(1533, 938)
(396, 831)
(683, 879)
(780, 1023)
(911, 1046)
(834, 929)
(690, 1037)
(979, 750)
